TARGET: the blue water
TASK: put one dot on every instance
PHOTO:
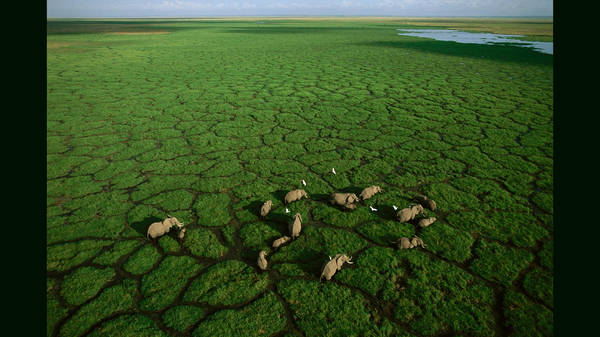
(479, 38)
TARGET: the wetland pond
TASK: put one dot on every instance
(479, 38)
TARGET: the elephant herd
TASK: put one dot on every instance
(347, 201)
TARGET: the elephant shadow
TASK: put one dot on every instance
(142, 226)
(254, 207)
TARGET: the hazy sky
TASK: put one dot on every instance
(195, 8)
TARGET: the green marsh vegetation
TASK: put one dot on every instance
(206, 119)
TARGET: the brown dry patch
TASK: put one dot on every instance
(57, 44)
(139, 33)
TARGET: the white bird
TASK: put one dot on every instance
(303, 182)
(333, 170)
(373, 209)
(287, 210)
(395, 208)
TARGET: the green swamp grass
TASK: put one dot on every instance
(214, 117)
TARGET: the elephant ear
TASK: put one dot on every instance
(168, 222)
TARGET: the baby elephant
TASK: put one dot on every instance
(369, 192)
(426, 202)
(159, 229)
(262, 262)
(347, 200)
(281, 241)
(333, 265)
(266, 208)
(409, 213)
(296, 226)
(294, 195)
(181, 234)
(426, 222)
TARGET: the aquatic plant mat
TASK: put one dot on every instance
(209, 121)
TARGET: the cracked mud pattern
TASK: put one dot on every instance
(207, 122)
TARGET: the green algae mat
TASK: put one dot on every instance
(205, 120)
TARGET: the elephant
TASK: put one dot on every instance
(281, 241)
(369, 192)
(417, 241)
(266, 208)
(426, 202)
(333, 265)
(158, 229)
(294, 195)
(404, 243)
(348, 200)
(296, 226)
(172, 221)
(409, 213)
(262, 262)
(426, 222)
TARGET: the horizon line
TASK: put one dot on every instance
(302, 16)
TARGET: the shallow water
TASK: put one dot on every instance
(479, 38)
